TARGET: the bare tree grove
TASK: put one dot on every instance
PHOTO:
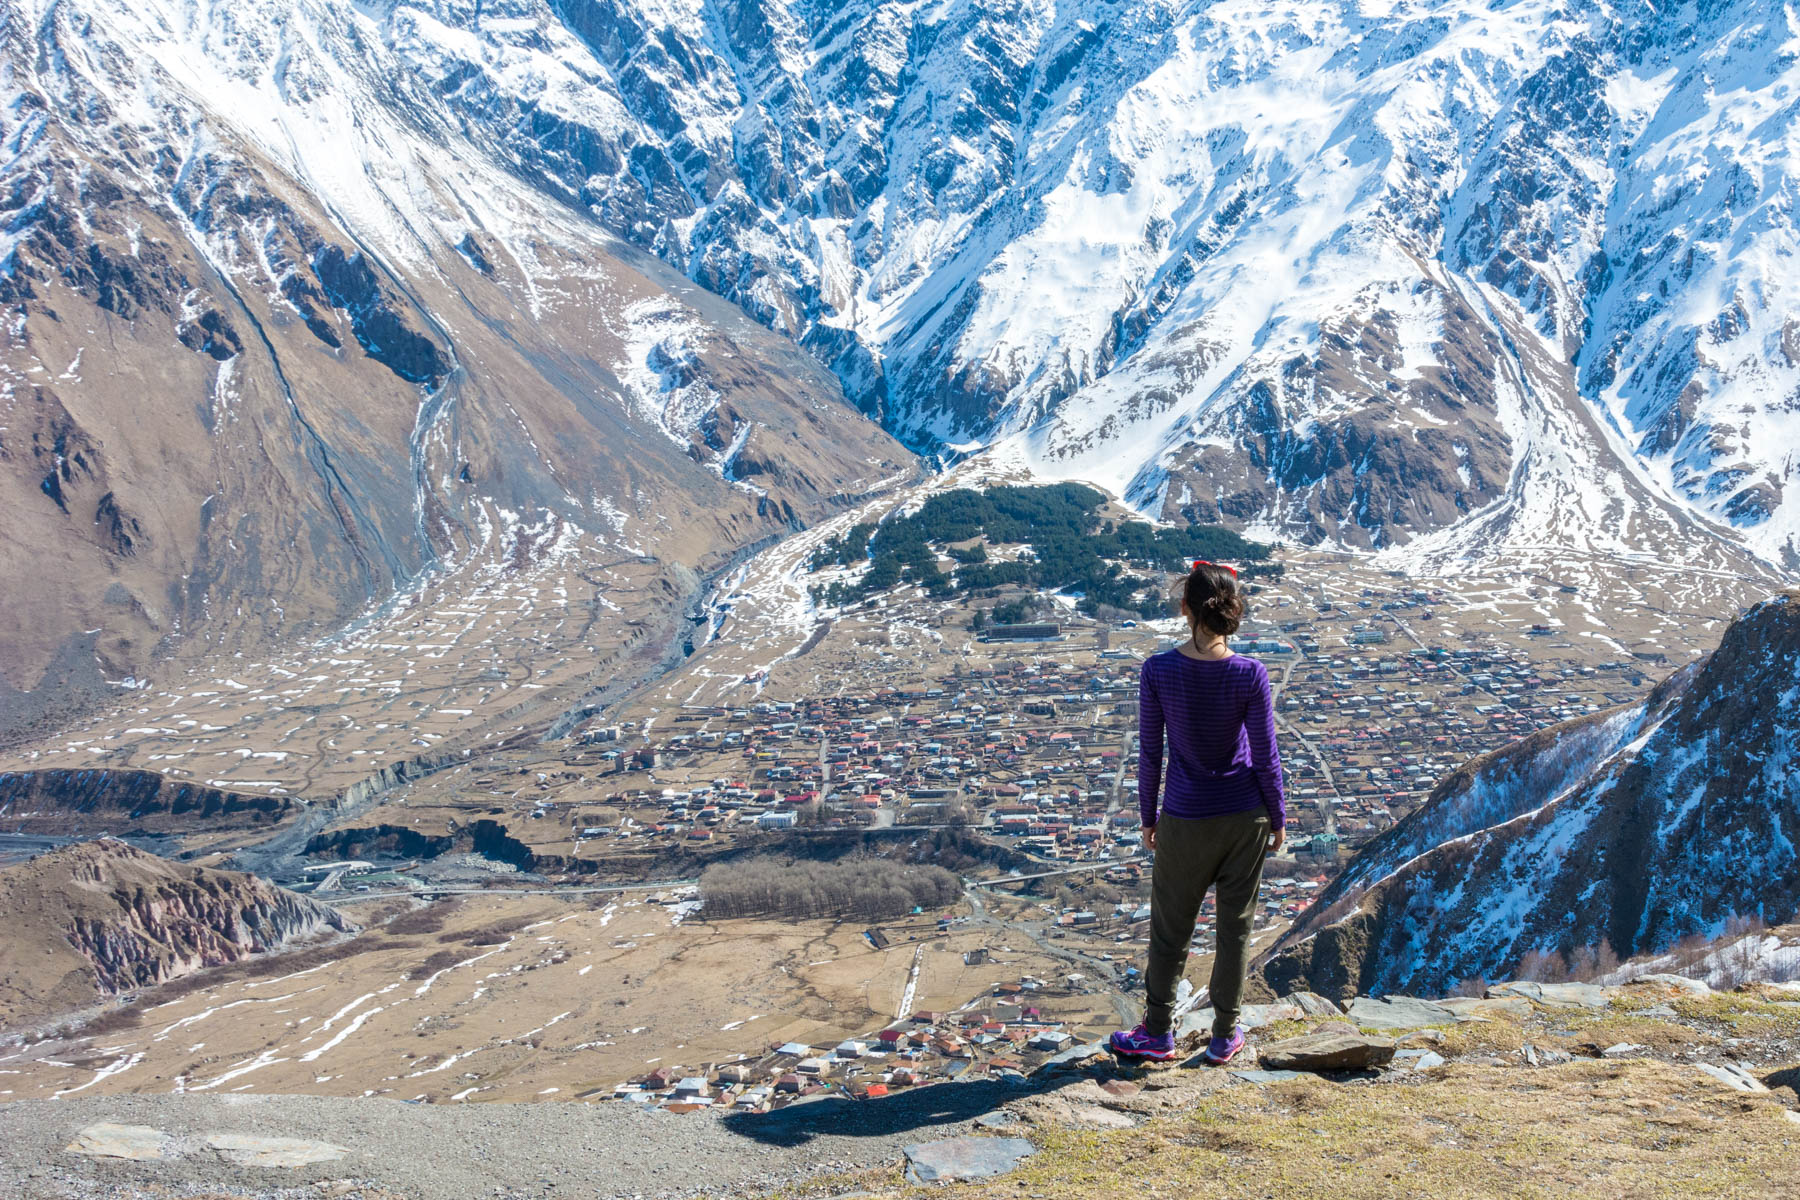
(863, 889)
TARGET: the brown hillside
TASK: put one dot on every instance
(95, 919)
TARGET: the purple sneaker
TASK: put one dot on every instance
(1141, 1043)
(1222, 1050)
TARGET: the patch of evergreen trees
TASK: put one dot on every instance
(1072, 549)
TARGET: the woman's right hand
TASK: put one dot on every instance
(1150, 837)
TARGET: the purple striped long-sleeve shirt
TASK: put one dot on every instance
(1220, 721)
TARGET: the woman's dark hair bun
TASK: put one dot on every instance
(1213, 597)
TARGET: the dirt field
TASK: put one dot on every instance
(518, 999)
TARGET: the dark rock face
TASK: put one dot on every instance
(350, 283)
(211, 335)
(1632, 832)
(119, 528)
(391, 840)
(74, 801)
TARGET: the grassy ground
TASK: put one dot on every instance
(1630, 1129)
(1625, 1131)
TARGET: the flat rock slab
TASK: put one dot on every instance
(1327, 1052)
(1259, 1016)
(1679, 982)
(252, 1150)
(1734, 1077)
(1315, 1005)
(1078, 1053)
(1399, 1012)
(1472, 1008)
(1093, 1116)
(107, 1140)
(1556, 995)
(964, 1158)
(1199, 1021)
(1260, 1076)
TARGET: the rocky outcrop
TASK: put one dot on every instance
(378, 841)
(1618, 836)
(81, 801)
(100, 918)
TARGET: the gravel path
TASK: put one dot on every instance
(470, 1151)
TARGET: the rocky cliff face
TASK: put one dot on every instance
(1630, 831)
(122, 801)
(99, 918)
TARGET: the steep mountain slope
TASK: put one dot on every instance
(308, 299)
(1350, 271)
(275, 354)
(1630, 830)
(99, 918)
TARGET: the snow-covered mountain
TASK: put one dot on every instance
(1630, 830)
(282, 339)
(1354, 270)
(1449, 279)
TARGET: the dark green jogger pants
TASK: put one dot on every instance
(1193, 854)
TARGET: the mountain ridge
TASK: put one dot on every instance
(1621, 834)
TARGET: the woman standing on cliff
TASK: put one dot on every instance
(1222, 812)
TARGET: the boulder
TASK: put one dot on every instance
(1399, 1012)
(964, 1158)
(1327, 1052)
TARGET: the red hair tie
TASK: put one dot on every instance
(1202, 562)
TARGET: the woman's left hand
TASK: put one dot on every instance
(1276, 838)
